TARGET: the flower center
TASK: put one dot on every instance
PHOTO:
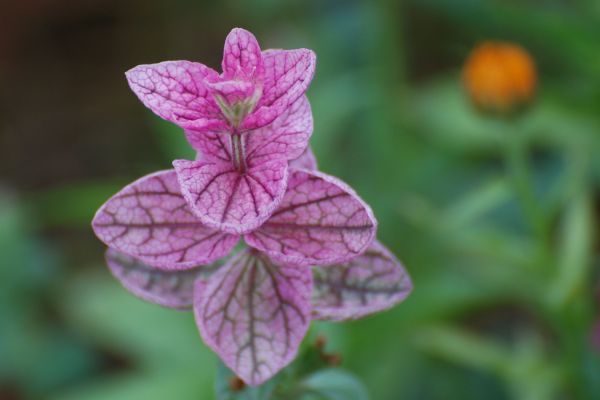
(236, 99)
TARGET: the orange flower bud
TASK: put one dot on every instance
(500, 77)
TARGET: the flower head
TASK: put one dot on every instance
(254, 88)
(246, 124)
(499, 77)
(310, 249)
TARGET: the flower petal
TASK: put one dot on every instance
(211, 145)
(320, 221)
(287, 136)
(371, 282)
(172, 289)
(287, 76)
(150, 220)
(225, 199)
(176, 91)
(242, 57)
(307, 160)
(254, 314)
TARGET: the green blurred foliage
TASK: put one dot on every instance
(495, 220)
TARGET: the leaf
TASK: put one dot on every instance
(287, 136)
(320, 221)
(336, 384)
(575, 252)
(172, 289)
(287, 76)
(242, 57)
(176, 91)
(150, 220)
(371, 282)
(225, 199)
(254, 313)
(307, 160)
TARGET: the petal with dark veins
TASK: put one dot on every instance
(307, 160)
(231, 201)
(171, 289)
(369, 283)
(150, 220)
(254, 314)
(287, 136)
(287, 76)
(320, 221)
(177, 91)
(242, 57)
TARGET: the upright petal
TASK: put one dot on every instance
(242, 57)
(150, 220)
(307, 160)
(320, 221)
(371, 282)
(177, 92)
(287, 136)
(172, 289)
(226, 199)
(254, 314)
(287, 76)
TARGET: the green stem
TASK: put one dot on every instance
(518, 170)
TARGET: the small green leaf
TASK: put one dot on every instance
(334, 384)
(575, 251)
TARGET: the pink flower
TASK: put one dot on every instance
(255, 309)
(246, 123)
(309, 238)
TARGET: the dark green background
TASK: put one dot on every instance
(504, 264)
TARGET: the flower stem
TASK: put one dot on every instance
(238, 152)
(517, 163)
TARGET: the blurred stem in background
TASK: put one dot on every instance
(519, 173)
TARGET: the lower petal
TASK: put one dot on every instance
(254, 314)
(172, 289)
(150, 220)
(369, 283)
(307, 160)
(320, 221)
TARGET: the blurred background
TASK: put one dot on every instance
(495, 215)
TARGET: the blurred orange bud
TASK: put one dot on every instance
(500, 77)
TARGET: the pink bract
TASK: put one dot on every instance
(254, 314)
(372, 282)
(255, 86)
(241, 179)
(172, 289)
(307, 160)
(320, 221)
(150, 220)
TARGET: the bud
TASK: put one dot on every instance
(500, 77)
(333, 359)
(320, 342)
(236, 384)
